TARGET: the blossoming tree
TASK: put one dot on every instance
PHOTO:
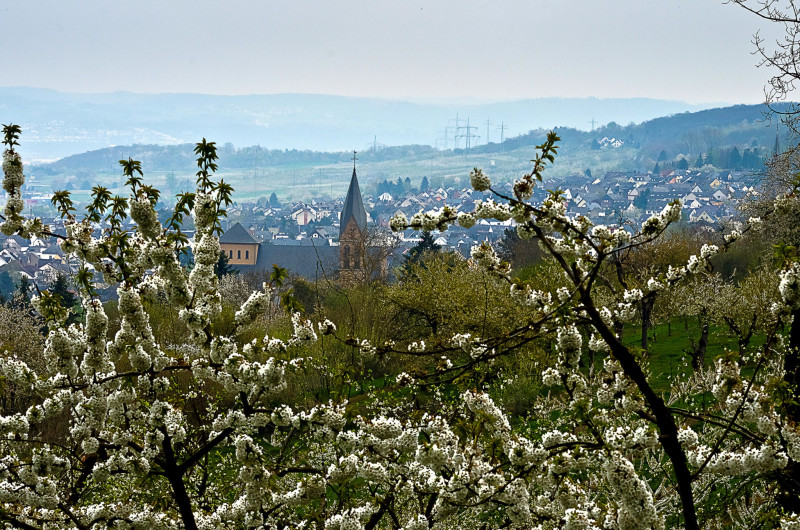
(197, 435)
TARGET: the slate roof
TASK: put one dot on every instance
(237, 235)
(353, 207)
(310, 262)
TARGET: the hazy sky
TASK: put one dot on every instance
(692, 50)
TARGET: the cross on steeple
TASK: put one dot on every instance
(354, 159)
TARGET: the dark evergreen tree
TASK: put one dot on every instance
(273, 201)
(641, 200)
(6, 285)
(427, 245)
(24, 288)
(424, 185)
(61, 289)
(682, 164)
(699, 161)
(223, 267)
(517, 251)
(735, 159)
(752, 159)
(712, 157)
(69, 300)
(662, 156)
(290, 228)
(22, 296)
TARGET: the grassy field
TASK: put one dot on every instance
(669, 355)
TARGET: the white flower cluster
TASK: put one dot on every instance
(763, 459)
(607, 237)
(12, 184)
(569, 342)
(489, 209)
(658, 222)
(636, 506)
(541, 300)
(398, 222)
(486, 258)
(469, 344)
(789, 286)
(303, 330)
(479, 180)
(144, 215)
(433, 219)
(256, 305)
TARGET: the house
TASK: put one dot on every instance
(304, 215)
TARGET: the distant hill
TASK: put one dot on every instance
(58, 124)
(688, 134)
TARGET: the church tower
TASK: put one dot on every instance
(352, 232)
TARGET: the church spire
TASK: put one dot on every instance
(353, 206)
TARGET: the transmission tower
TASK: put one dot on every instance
(488, 124)
(468, 136)
(502, 128)
(455, 129)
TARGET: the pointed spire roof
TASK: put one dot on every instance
(353, 207)
(777, 149)
(237, 235)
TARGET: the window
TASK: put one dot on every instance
(230, 254)
(246, 254)
(238, 254)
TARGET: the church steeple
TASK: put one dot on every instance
(352, 232)
(353, 206)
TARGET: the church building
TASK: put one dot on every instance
(352, 233)
(356, 259)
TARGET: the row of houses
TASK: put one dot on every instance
(707, 196)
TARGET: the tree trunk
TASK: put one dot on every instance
(699, 350)
(789, 478)
(647, 309)
(175, 478)
(667, 428)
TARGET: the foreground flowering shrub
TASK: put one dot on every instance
(197, 435)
